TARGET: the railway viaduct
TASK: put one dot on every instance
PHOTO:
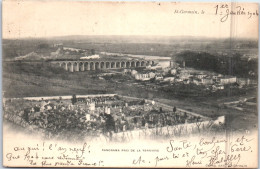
(80, 65)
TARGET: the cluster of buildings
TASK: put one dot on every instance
(92, 116)
(176, 74)
(143, 76)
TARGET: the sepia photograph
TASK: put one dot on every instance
(129, 84)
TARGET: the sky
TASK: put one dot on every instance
(48, 18)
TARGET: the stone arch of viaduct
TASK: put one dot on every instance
(76, 66)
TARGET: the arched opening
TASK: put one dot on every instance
(147, 63)
(102, 65)
(142, 64)
(113, 65)
(137, 64)
(127, 64)
(92, 66)
(108, 65)
(64, 65)
(133, 64)
(97, 65)
(70, 67)
(122, 64)
(117, 64)
(81, 66)
(152, 62)
(76, 66)
(86, 65)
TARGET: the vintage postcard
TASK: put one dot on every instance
(130, 84)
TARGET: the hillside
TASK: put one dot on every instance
(140, 45)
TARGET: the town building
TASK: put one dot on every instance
(173, 71)
(169, 79)
(200, 76)
(218, 87)
(158, 77)
(227, 80)
(207, 81)
(133, 72)
(184, 76)
(127, 71)
(144, 76)
(197, 81)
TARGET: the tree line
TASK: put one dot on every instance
(234, 64)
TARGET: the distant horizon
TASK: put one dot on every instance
(135, 36)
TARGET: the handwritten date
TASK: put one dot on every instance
(225, 11)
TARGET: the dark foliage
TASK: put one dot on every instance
(228, 65)
(74, 99)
